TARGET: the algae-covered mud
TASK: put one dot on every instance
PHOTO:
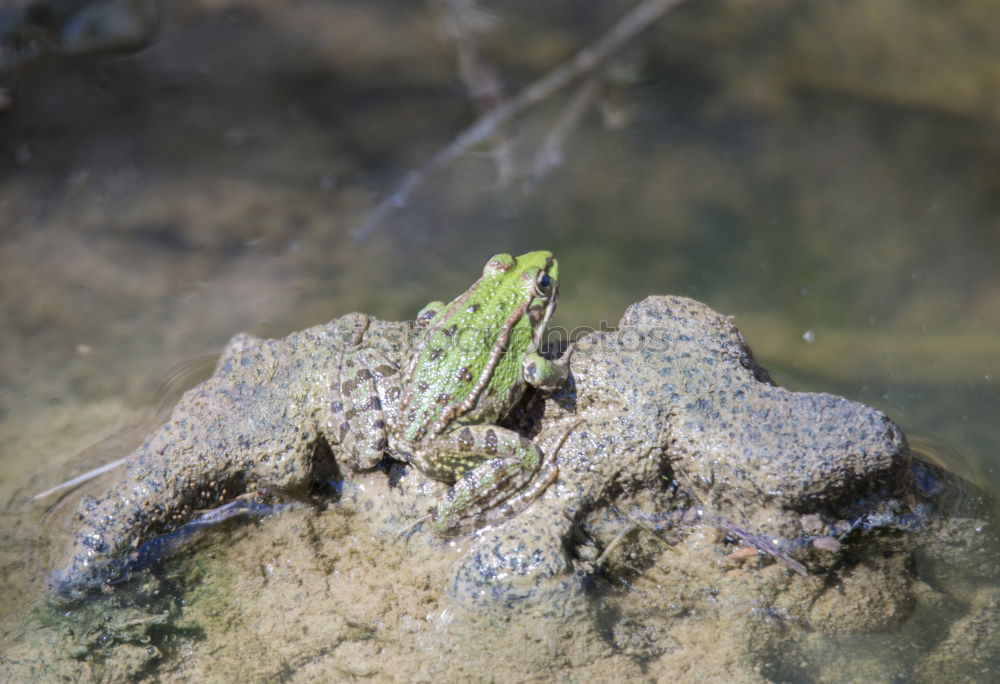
(694, 497)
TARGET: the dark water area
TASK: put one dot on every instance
(826, 173)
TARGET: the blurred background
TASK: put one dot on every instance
(828, 173)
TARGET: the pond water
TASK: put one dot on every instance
(827, 174)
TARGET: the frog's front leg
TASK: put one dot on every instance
(496, 474)
(364, 394)
(544, 373)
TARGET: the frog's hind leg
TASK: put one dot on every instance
(497, 473)
(361, 394)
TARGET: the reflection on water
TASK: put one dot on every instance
(798, 167)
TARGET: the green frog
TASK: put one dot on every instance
(472, 361)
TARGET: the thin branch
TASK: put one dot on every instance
(550, 156)
(461, 20)
(750, 538)
(613, 543)
(647, 529)
(639, 18)
(759, 543)
(80, 479)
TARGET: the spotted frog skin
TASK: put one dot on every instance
(471, 363)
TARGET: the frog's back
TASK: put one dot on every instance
(455, 360)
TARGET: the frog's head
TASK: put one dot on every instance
(535, 276)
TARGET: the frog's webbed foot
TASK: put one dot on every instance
(357, 408)
(502, 472)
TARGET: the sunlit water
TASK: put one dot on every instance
(155, 205)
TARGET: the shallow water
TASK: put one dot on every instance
(807, 171)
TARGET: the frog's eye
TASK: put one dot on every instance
(544, 285)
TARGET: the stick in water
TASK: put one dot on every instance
(639, 18)
(80, 479)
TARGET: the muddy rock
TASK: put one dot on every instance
(255, 426)
(666, 411)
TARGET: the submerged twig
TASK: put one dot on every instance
(613, 543)
(78, 480)
(461, 20)
(760, 544)
(750, 538)
(639, 18)
(550, 156)
(647, 529)
(407, 528)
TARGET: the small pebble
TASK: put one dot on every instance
(827, 544)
